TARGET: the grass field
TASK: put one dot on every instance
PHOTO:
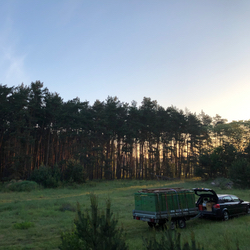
(35, 220)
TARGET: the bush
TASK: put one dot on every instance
(46, 176)
(21, 186)
(74, 172)
(239, 173)
(222, 183)
(23, 225)
(67, 207)
(71, 241)
(95, 231)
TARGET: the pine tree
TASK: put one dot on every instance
(170, 240)
(96, 230)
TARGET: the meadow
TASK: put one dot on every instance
(35, 219)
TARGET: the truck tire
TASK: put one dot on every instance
(181, 223)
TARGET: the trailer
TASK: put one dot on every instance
(158, 206)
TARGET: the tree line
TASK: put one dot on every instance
(109, 139)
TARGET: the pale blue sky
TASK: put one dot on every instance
(191, 54)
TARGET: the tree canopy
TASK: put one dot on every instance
(111, 139)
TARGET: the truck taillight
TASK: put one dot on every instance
(216, 206)
(137, 218)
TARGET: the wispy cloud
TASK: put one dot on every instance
(12, 63)
(67, 11)
(15, 72)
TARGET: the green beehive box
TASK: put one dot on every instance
(182, 199)
(147, 202)
(138, 205)
(161, 200)
(169, 201)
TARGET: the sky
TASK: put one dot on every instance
(194, 55)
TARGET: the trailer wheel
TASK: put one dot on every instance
(182, 223)
(172, 225)
(162, 223)
(151, 224)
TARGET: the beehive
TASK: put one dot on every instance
(164, 200)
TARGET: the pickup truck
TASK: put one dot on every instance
(158, 206)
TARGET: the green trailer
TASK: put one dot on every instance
(157, 206)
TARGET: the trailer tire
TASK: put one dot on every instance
(162, 223)
(151, 224)
(182, 223)
(172, 225)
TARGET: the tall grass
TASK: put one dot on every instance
(51, 211)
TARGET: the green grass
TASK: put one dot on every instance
(48, 212)
(23, 225)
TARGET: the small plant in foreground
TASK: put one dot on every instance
(71, 241)
(95, 231)
(170, 240)
(23, 225)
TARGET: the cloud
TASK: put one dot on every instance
(12, 62)
(67, 11)
(14, 72)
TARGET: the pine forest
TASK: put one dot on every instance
(112, 139)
